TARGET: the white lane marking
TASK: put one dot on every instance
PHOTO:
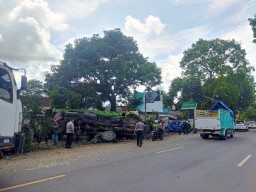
(169, 150)
(243, 161)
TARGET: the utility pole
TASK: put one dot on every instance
(145, 106)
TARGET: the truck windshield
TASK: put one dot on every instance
(5, 86)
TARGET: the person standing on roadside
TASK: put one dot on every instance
(55, 131)
(139, 128)
(187, 127)
(70, 130)
(160, 130)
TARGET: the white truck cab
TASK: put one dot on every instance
(10, 109)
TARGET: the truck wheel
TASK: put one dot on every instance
(108, 136)
(1, 154)
(226, 136)
(204, 136)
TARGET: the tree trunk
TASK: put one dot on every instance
(113, 103)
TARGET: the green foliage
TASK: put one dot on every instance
(57, 98)
(134, 102)
(42, 128)
(32, 98)
(151, 118)
(252, 22)
(250, 113)
(166, 100)
(30, 144)
(208, 59)
(217, 69)
(174, 89)
(40, 125)
(103, 68)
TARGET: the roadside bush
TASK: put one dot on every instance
(30, 144)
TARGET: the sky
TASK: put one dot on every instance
(33, 33)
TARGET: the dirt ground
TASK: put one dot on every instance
(49, 155)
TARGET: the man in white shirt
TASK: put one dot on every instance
(70, 130)
(139, 128)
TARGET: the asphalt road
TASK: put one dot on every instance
(180, 163)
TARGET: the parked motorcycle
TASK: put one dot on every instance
(157, 134)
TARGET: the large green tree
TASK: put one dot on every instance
(32, 98)
(252, 22)
(105, 67)
(215, 69)
(185, 89)
(209, 59)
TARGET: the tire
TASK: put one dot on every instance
(226, 137)
(92, 121)
(154, 137)
(108, 136)
(204, 136)
(71, 114)
(62, 127)
(19, 143)
(1, 154)
(88, 115)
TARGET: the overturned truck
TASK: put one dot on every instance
(97, 125)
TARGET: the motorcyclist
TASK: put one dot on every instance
(187, 127)
(155, 125)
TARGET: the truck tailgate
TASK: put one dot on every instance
(207, 123)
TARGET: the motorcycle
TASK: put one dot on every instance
(157, 134)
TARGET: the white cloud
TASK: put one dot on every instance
(181, 2)
(152, 25)
(244, 35)
(76, 9)
(165, 46)
(219, 6)
(153, 45)
(26, 36)
(246, 11)
(40, 11)
(170, 69)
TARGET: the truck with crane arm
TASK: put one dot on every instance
(11, 137)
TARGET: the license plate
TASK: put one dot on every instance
(208, 132)
(6, 140)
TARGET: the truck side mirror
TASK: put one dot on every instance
(23, 82)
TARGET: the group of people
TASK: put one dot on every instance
(70, 130)
(138, 131)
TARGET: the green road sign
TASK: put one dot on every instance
(188, 105)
